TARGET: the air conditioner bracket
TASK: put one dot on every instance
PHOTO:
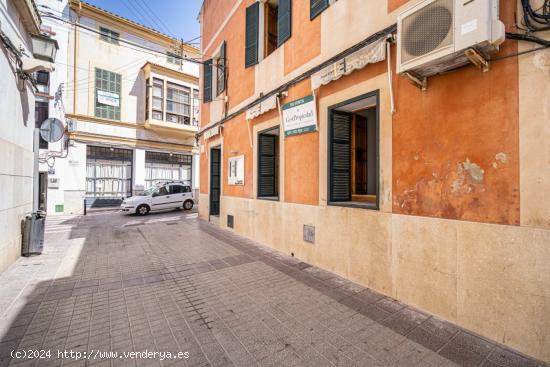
(421, 83)
(477, 59)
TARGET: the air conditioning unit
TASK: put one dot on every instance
(435, 35)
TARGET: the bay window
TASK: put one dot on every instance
(171, 102)
(178, 104)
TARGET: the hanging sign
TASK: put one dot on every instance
(300, 116)
(107, 98)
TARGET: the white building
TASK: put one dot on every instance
(129, 99)
(19, 20)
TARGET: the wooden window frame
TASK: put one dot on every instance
(330, 109)
(277, 168)
(117, 111)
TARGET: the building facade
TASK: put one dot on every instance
(311, 143)
(128, 95)
(19, 20)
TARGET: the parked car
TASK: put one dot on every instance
(167, 195)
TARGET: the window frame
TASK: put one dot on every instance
(108, 36)
(320, 11)
(96, 89)
(173, 58)
(220, 65)
(207, 80)
(277, 165)
(184, 90)
(162, 98)
(252, 35)
(351, 204)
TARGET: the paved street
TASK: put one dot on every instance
(170, 282)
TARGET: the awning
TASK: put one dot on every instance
(371, 54)
(213, 131)
(262, 107)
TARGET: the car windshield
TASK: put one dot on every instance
(148, 192)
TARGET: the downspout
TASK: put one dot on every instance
(75, 62)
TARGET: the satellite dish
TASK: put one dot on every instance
(51, 130)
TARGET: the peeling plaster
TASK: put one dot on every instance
(501, 157)
(468, 172)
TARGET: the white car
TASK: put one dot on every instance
(170, 195)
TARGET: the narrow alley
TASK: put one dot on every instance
(179, 291)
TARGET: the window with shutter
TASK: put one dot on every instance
(220, 70)
(207, 80)
(284, 21)
(252, 28)
(268, 164)
(316, 7)
(340, 152)
(354, 152)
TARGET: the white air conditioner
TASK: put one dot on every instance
(433, 35)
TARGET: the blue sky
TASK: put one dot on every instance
(177, 18)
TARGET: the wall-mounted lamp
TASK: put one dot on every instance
(44, 47)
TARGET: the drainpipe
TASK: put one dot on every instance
(75, 62)
(35, 175)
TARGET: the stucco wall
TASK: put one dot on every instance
(456, 151)
(534, 136)
(16, 140)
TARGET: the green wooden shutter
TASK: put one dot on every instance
(267, 185)
(340, 156)
(252, 29)
(221, 70)
(316, 7)
(207, 80)
(284, 21)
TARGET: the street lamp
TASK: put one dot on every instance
(44, 47)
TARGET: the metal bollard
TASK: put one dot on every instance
(84, 206)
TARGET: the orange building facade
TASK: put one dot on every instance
(433, 197)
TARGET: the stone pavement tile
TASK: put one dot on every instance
(473, 343)
(374, 313)
(405, 320)
(462, 356)
(427, 339)
(506, 358)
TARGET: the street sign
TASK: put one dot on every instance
(51, 130)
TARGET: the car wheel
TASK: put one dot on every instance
(142, 210)
(188, 205)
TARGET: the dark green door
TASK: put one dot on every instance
(215, 182)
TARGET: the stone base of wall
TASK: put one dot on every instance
(490, 279)
(10, 234)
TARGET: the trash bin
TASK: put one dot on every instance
(33, 234)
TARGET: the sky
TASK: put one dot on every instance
(177, 18)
